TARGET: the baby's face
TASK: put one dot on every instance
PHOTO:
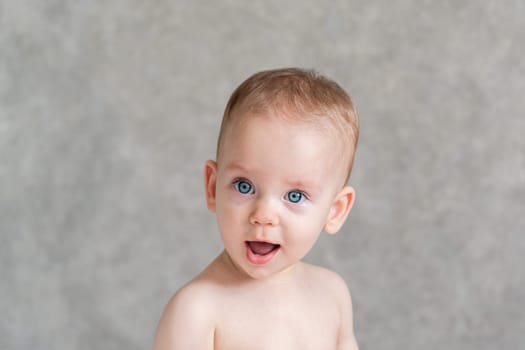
(275, 185)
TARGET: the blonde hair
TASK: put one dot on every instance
(296, 94)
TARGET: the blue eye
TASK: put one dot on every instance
(295, 196)
(243, 187)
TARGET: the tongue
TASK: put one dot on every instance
(261, 248)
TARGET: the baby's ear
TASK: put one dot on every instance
(210, 182)
(340, 208)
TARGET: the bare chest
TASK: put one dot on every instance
(263, 323)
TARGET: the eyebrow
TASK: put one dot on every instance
(235, 166)
(301, 185)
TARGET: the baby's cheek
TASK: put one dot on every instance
(234, 198)
(305, 229)
(299, 210)
(234, 215)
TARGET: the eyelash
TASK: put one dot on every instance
(237, 183)
(302, 197)
(250, 190)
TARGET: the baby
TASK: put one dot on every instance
(284, 156)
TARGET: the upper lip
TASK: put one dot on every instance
(262, 241)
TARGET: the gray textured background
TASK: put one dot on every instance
(108, 110)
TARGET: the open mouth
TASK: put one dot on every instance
(261, 248)
(261, 252)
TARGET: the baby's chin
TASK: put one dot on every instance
(271, 275)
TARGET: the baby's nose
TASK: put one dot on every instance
(264, 213)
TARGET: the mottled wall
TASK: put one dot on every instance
(108, 110)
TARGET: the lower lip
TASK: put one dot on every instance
(260, 259)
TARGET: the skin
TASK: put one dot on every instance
(275, 181)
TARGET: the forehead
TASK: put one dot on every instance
(274, 145)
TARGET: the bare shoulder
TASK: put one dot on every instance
(330, 280)
(188, 318)
(334, 284)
